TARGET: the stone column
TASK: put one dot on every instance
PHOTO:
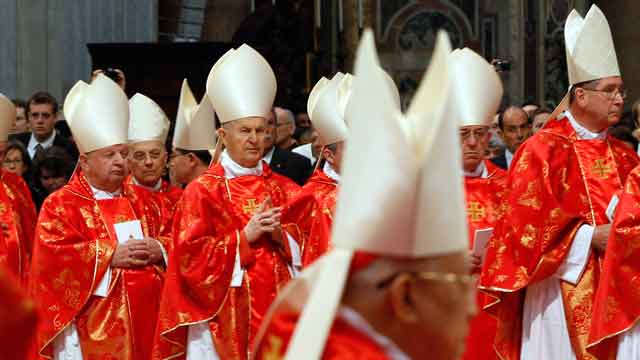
(351, 32)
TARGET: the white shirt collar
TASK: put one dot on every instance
(31, 147)
(104, 195)
(480, 171)
(359, 323)
(157, 187)
(582, 132)
(508, 155)
(331, 173)
(267, 157)
(234, 170)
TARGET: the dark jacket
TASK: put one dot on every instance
(60, 140)
(294, 166)
(501, 161)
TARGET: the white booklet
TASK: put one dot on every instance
(480, 241)
(124, 232)
(611, 209)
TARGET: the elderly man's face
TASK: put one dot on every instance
(106, 168)
(474, 140)
(515, 129)
(147, 161)
(604, 103)
(244, 140)
(333, 154)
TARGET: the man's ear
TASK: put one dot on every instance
(401, 299)
(222, 135)
(83, 162)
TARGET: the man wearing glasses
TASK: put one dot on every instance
(542, 265)
(42, 110)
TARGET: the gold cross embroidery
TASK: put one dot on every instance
(475, 211)
(250, 207)
(275, 346)
(600, 169)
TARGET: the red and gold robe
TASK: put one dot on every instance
(17, 222)
(343, 342)
(74, 243)
(324, 190)
(208, 234)
(617, 303)
(556, 184)
(17, 318)
(483, 196)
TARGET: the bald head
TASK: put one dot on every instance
(285, 127)
(409, 309)
(514, 123)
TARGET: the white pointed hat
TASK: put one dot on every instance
(241, 84)
(478, 87)
(147, 121)
(589, 47)
(400, 194)
(7, 117)
(97, 114)
(195, 123)
(327, 109)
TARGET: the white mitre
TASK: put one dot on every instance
(97, 114)
(326, 107)
(478, 88)
(7, 117)
(195, 123)
(147, 121)
(387, 187)
(241, 84)
(589, 47)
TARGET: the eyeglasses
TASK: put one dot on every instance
(9, 162)
(451, 278)
(611, 94)
(142, 156)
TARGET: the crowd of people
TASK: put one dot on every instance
(453, 230)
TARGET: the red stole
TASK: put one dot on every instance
(483, 196)
(556, 184)
(617, 302)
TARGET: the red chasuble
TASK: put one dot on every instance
(617, 304)
(343, 342)
(17, 318)
(483, 196)
(556, 184)
(17, 222)
(324, 190)
(208, 235)
(74, 243)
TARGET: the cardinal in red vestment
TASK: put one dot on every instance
(616, 308)
(543, 263)
(236, 241)
(97, 264)
(17, 211)
(375, 296)
(484, 182)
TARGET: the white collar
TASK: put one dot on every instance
(155, 188)
(104, 195)
(354, 319)
(330, 172)
(31, 147)
(233, 170)
(269, 155)
(480, 171)
(508, 155)
(582, 132)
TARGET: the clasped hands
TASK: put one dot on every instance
(137, 253)
(266, 219)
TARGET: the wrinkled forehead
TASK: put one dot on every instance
(147, 146)
(612, 82)
(474, 127)
(253, 122)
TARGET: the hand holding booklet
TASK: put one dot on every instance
(480, 241)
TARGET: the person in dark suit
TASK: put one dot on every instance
(42, 109)
(515, 128)
(284, 162)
